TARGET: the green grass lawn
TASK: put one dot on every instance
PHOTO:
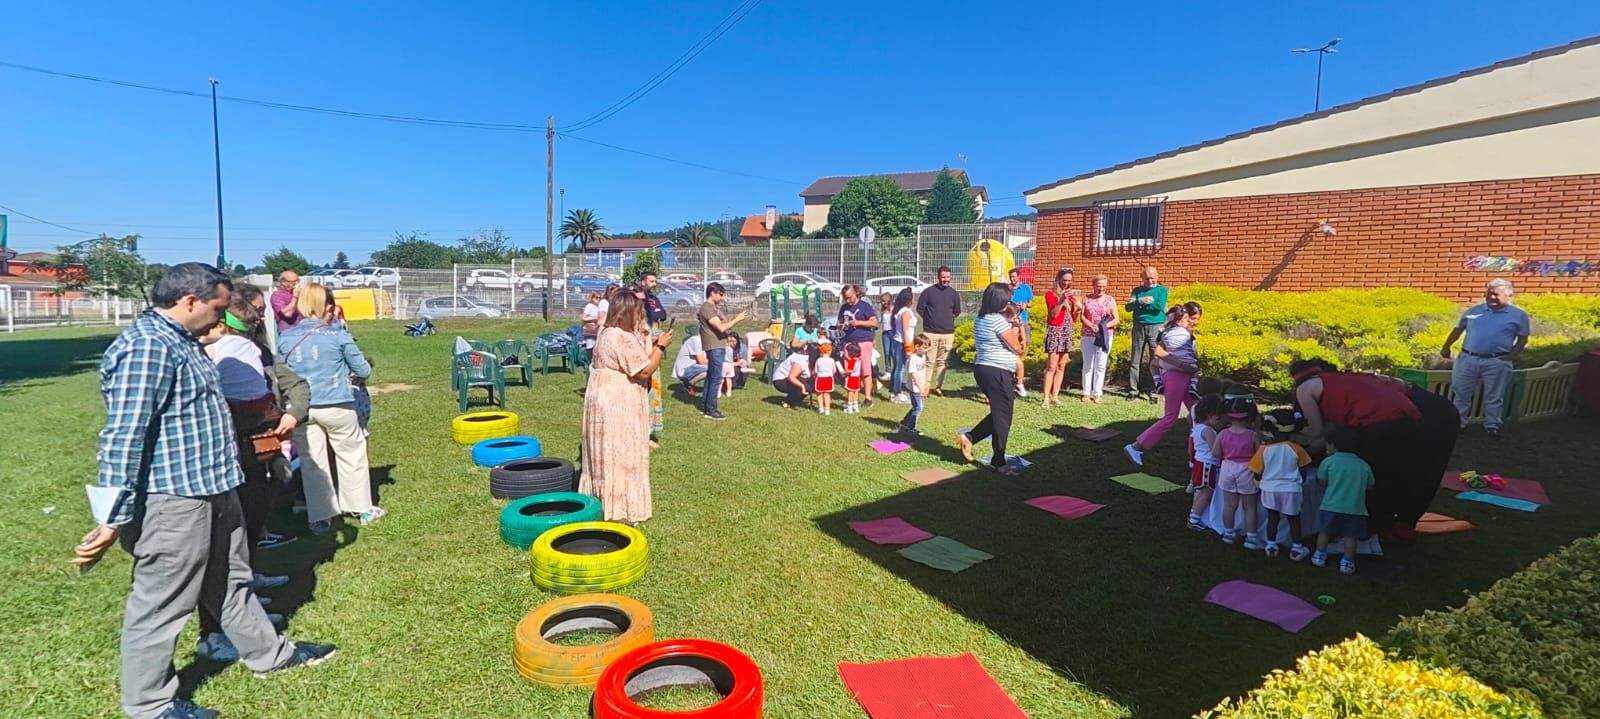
(1098, 617)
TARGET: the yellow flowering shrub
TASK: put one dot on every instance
(1354, 678)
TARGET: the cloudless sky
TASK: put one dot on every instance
(1029, 92)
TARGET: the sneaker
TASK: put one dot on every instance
(937, 391)
(1347, 566)
(1319, 559)
(1022, 391)
(305, 655)
(911, 431)
(1272, 549)
(1004, 470)
(1230, 537)
(264, 581)
(1298, 552)
(322, 526)
(273, 540)
(1493, 432)
(215, 647)
(371, 515)
(1135, 454)
(1252, 542)
(716, 415)
(185, 709)
(867, 402)
(1196, 524)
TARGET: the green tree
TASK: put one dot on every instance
(787, 228)
(583, 227)
(486, 247)
(341, 261)
(104, 265)
(949, 203)
(240, 271)
(699, 234)
(416, 252)
(285, 259)
(874, 201)
(643, 263)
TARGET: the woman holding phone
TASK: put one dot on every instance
(1062, 314)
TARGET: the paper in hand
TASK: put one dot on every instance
(103, 501)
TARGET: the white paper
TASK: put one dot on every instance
(102, 501)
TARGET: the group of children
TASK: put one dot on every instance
(826, 366)
(1252, 460)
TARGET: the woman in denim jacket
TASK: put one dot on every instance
(327, 357)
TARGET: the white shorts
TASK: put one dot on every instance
(1236, 477)
(1287, 503)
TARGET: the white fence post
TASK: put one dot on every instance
(453, 298)
(565, 290)
(918, 272)
(705, 264)
(841, 262)
(771, 244)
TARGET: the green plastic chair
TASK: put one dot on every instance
(775, 352)
(480, 346)
(578, 356)
(480, 369)
(523, 366)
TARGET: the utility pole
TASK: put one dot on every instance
(549, 210)
(216, 155)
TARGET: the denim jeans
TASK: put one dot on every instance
(897, 368)
(910, 421)
(708, 401)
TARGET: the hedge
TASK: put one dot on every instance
(1251, 336)
(1355, 679)
(1536, 631)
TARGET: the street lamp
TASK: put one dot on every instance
(1321, 51)
(216, 155)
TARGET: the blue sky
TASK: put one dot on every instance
(1029, 93)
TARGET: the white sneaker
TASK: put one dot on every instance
(1022, 391)
(1134, 454)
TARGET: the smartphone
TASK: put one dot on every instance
(671, 322)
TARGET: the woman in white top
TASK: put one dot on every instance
(791, 377)
(594, 316)
(901, 328)
(998, 342)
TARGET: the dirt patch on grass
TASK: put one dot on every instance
(391, 387)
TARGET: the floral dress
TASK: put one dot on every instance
(616, 427)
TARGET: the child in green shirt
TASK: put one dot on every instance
(1344, 503)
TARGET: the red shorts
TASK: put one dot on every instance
(852, 383)
(824, 384)
(1203, 475)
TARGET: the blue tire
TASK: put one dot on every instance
(498, 451)
(523, 520)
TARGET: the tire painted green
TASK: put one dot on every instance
(523, 520)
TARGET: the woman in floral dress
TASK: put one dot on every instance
(616, 413)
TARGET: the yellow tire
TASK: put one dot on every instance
(588, 556)
(539, 660)
(474, 427)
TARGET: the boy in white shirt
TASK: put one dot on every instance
(1203, 464)
(917, 374)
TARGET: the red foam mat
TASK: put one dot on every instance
(928, 688)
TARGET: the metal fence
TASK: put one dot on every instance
(976, 255)
(27, 308)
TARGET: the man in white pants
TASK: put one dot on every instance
(1496, 333)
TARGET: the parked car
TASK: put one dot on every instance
(586, 282)
(803, 279)
(458, 306)
(730, 280)
(327, 277)
(681, 278)
(893, 284)
(537, 280)
(487, 280)
(373, 277)
(679, 295)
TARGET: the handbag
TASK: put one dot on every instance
(266, 445)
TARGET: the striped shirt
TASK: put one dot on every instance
(168, 430)
(991, 351)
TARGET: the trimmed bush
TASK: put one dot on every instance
(1536, 631)
(1251, 336)
(1355, 679)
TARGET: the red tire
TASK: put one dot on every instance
(680, 662)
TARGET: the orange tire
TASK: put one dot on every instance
(541, 661)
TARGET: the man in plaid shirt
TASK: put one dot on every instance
(168, 454)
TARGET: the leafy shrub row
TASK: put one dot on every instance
(1536, 631)
(1355, 679)
(1251, 336)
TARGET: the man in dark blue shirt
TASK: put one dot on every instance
(859, 321)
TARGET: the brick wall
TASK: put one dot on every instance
(1407, 236)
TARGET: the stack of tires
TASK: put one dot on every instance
(520, 478)
(523, 520)
(676, 663)
(588, 557)
(540, 660)
(474, 427)
(498, 451)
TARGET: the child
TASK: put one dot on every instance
(809, 333)
(1278, 465)
(731, 368)
(1010, 313)
(917, 373)
(1344, 503)
(1235, 445)
(852, 378)
(823, 370)
(1203, 464)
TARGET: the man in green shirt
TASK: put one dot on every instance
(1148, 304)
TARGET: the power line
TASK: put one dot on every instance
(47, 222)
(664, 158)
(672, 68)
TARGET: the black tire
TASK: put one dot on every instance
(524, 477)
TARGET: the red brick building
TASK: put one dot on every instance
(1399, 189)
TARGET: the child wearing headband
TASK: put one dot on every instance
(1277, 465)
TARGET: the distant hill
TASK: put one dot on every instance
(1024, 216)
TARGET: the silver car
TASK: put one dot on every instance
(458, 306)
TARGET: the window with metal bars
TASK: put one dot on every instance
(1129, 224)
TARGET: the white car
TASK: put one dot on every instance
(373, 277)
(537, 280)
(892, 285)
(327, 277)
(730, 280)
(681, 278)
(799, 279)
(487, 280)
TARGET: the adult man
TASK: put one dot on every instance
(1148, 303)
(939, 306)
(1496, 333)
(654, 312)
(1021, 297)
(715, 328)
(283, 299)
(168, 468)
(691, 361)
(859, 321)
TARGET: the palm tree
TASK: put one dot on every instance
(583, 227)
(699, 234)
